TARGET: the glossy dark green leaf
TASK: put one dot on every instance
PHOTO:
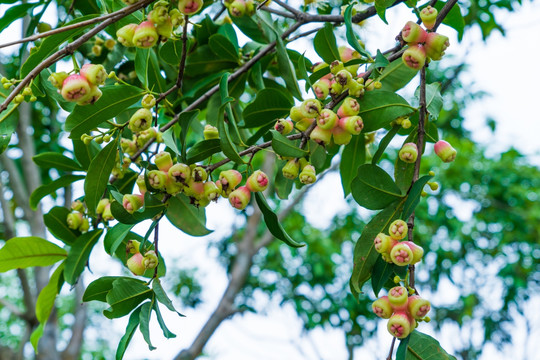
(325, 44)
(148, 71)
(286, 69)
(51, 187)
(401, 351)
(384, 144)
(169, 139)
(161, 296)
(225, 140)
(171, 52)
(223, 48)
(85, 153)
(285, 147)
(166, 332)
(302, 70)
(203, 150)
(381, 6)
(230, 125)
(379, 108)
(350, 35)
(380, 60)
(115, 236)
(228, 31)
(424, 347)
(354, 155)
(434, 100)
(381, 273)
(56, 222)
(126, 294)
(272, 222)
(131, 327)
(23, 252)
(186, 217)
(396, 75)
(144, 323)
(318, 156)
(98, 175)
(413, 197)
(79, 254)
(254, 29)
(57, 161)
(204, 61)
(115, 99)
(185, 120)
(268, 106)
(373, 188)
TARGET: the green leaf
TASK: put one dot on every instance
(187, 217)
(56, 222)
(373, 188)
(98, 289)
(79, 254)
(144, 322)
(384, 144)
(162, 297)
(365, 254)
(255, 30)
(47, 295)
(57, 161)
(85, 153)
(413, 197)
(115, 236)
(8, 123)
(286, 69)
(115, 100)
(381, 6)
(354, 155)
(36, 335)
(351, 37)
(171, 52)
(424, 347)
(169, 139)
(223, 48)
(380, 60)
(269, 105)
(325, 44)
(126, 294)
(381, 273)
(454, 19)
(282, 184)
(302, 70)
(132, 325)
(204, 61)
(185, 120)
(434, 100)
(401, 351)
(166, 332)
(396, 75)
(98, 175)
(23, 252)
(226, 143)
(272, 222)
(379, 108)
(148, 71)
(285, 147)
(203, 150)
(228, 31)
(51, 187)
(15, 12)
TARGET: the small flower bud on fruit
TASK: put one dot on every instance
(284, 126)
(377, 84)
(307, 175)
(250, 7)
(399, 325)
(418, 307)
(157, 179)
(135, 264)
(125, 35)
(321, 136)
(291, 169)
(229, 180)
(180, 173)
(109, 44)
(436, 45)
(141, 120)
(413, 33)
(74, 220)
(429, 16)
(145, 35)
(76, 88)
(95, 74)
(349, 107)
(211, 190)
(148, 101)
(237, 8)
(101, 206)
(150, 260)
(352, 124)
(96, 50)
(77, 205)
(408, 153)
(414, 57)
(27, 91)
(99, 139)
(383, 243)
(398, 296)
(327, 119)
(210, 132)
(85, 225)
(240, 197)
(190, 7)
(303, 124)
(382, 307)
(321, 88)
(107, 214)
(398, 229)
(341, 136)
(445, 151)
(296, 114)
(336, 66)
(199, 174)
(95, 95)
(417, 251)
(163, 161)
(132, 202)
(33, 98)
(310, 108)
(401, 254)
(258, 181)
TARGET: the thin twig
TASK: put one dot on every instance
(391, 349)
(278, 12)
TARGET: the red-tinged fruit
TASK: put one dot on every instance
(343, 77)
(190, 7)
(258, 181)
(321, 136)
(76, 88)
(124, 35)
(351, 124)
(418, 307)
(408, 153)
(132, 202)
(284, 126)
(445, 151)
(382, 307)
(240, 197)
(428, 15)
(237, 8)
(399, 325)
(436, 45)
(401, 254)
(135, 264)
(417, 251)
(163, 161)
(349, 107)
(321, 88)
(398, 229)
(198, 174)
(229, 180)
(94, 73)
(291, 169)
(327, 120)
(383, 243)
(145, 35)
(412, 33)
(141, 120)
(341, 136)
(414, 57)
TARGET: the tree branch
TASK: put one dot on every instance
(73, 349)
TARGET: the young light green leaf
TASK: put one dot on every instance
(185, 119)
(115, 236)
(272, 222)
(169, 139)
(166, 332)
(231, 118)
(434, 101)
(269, 105)
(282, 184)
(132, 325)
(161, 296)
(187, 217)
(56, 222)
(204, 61)
(144, 322)
(79, 254)
(285, 147)
(15, 12)
(373, 188)
(379, 108)
(47, 295)
(413, 197)
(48, 160)
(115, 99)
(286, 69)
(424, 347)
(98, 175)
(126, 294)
(51, 187)
(85, 153)
(354, 155)
(23, 252)
(454, 19)
(8, 123)
(351, 37)
(36, 335)
(325, 44)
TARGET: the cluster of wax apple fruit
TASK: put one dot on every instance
(139, 263)
(393, 250)
(401, 310)
(82, 88)
(239, 8)
(409, 152)
(423, 44)
(76, 219)
(160, 24)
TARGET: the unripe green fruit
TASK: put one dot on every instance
(349, 107)
(57, 79)
(110, 43)
(382, 307)
(398, 296)
(343, 77)
(321, 136)
(128, 146)
(101, 206)
(383, 243)
(177, 18)
(414, 57)
(284, 126)
(157, 179)
(408, 153)
(198, 174)
(77, 205)
(258, 181)
(310, 108)
(43, 27)
(135, 264)
(165, 30)
(303, 124)
(418, 307)
(150, 260)
(163, 161)
(401, 254)
(180, 173)
(85, 225)
(172, 187)
(18, 99)
(229, 180)
(429, 16)
(94, 73)
(291, 169)
(190, 7)
(145, 35)
(356, 88)
(352, 124)
(399, 325)
(159, 15)
(210, 132)
(132, 247)
(336, 66)
(318, 66)
(307, 175)
(445, 151)
(132, 202)
(341, 136)
(327, 120)
(107, 214)
(436, 45)
(148, 101)
(76, 88)
(125, 34)
(413, 33)
(74, 220)
(141, 120)
(95, 95)
(211, 190)
(296, 114)
(240, 197)
(237, 8)
(335, 89)
(398, 229)
(141, 184)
